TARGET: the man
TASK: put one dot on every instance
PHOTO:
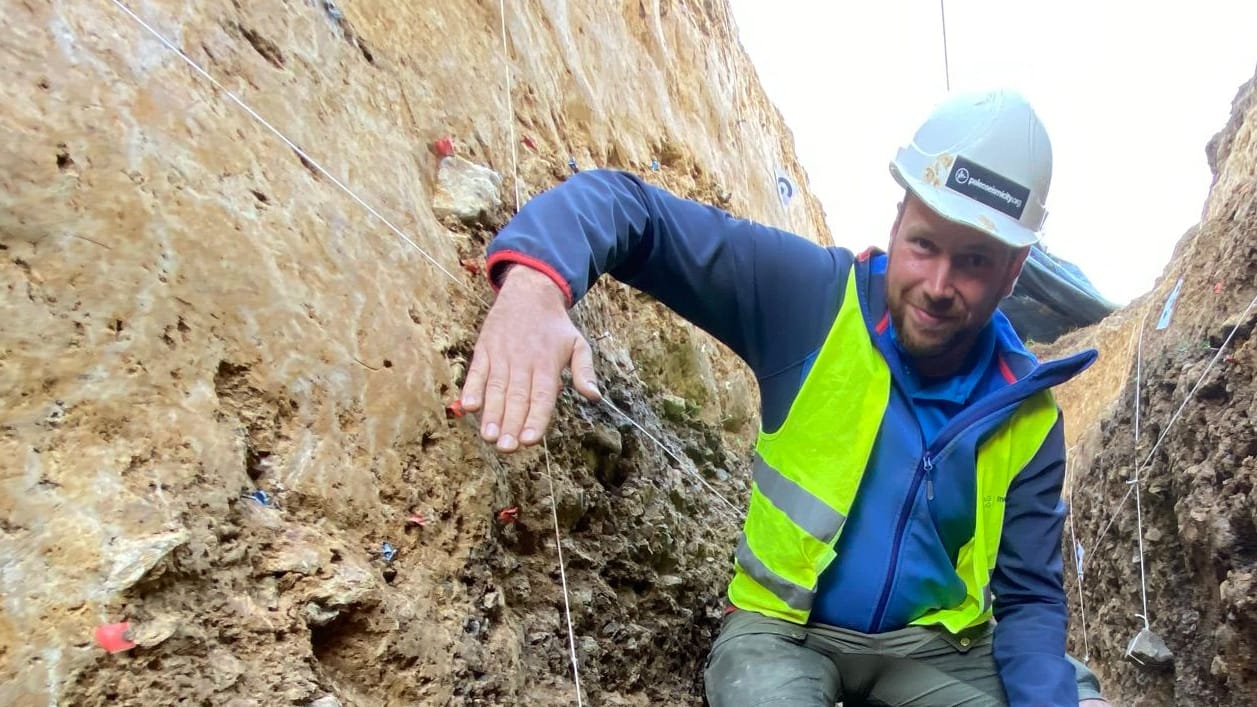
(907, 477)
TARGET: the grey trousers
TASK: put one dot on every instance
(759, 660)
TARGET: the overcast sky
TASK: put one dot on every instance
(1129, 94)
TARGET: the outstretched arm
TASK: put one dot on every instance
(741, 281)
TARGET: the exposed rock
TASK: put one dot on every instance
(135, 557)
(1147, 648)
(1198, 506)
(674, 408)
(316, 614)
(465, 190)
(193, 312)
(225, 668)
(605, 439)
(298, 550)
(348, 585)
(153, 631)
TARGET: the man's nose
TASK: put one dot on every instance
(937, 283)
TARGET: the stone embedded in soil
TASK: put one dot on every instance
(605, 438)
(318, 615)
(1148, 649)
(669, 581)
(298, 550)
(225, 667)
(466, 190)
(349, 585)
(492, 601)
(154, 631)
(135, 557)
(674, 408)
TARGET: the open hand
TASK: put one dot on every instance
(526, 341)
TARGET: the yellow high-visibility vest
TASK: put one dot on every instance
(807, 473)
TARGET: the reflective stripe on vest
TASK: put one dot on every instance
(798, 502)
(805, 510)
(807, 472)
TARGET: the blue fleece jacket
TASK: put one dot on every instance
(772, 297)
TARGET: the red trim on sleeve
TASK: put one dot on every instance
(503, 257)
(1006, 371)
(868, 253)
(881, 326)
(730, 609)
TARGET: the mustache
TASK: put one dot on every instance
(939, 307)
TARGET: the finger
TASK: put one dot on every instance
(545, 391)
(518, 394)
(583, 376)
(473, 385)
(494, 401)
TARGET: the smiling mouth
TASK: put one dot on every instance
(929, 320)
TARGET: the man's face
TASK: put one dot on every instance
(943, 282)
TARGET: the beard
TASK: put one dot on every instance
(951, 336)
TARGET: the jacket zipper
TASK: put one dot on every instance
(953, 431)
(923, 467)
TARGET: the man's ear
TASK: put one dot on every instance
(894, 227)
(1014, 269)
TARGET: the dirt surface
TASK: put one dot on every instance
(194, 313)
(1198, 473)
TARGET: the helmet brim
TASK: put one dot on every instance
(965, 211)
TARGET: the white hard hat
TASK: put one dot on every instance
(984, 160)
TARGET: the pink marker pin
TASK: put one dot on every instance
(115, 638)
(443, 147)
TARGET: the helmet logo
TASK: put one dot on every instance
(988, 188)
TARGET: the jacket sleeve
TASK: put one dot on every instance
(1029, 588)
(751, 286)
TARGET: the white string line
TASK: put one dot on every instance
(737, 513)
(1076, 548)
(1079, 551)
(510, 104)
(304, 155)
(1173, 419)
(545, 445)
(1139, 514)
(558, 545)
(1078, 570)
(254, 114)
(371, 210)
